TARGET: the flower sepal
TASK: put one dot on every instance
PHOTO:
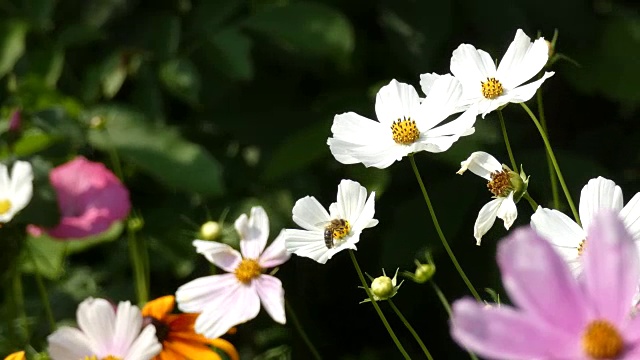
(519, 182)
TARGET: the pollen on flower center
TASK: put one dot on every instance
(582, 246)
(601, 340)
(5, 205)
(405, 131)
(248, 270)
(491, 88)
(500, 183)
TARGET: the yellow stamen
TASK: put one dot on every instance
(248, 270)
(405, 132)
(491, 88)
(601, 340)
(342, 230)
(5, 205)
(500, 184)
(582, 246)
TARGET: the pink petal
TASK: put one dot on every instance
(253, 231)
(196, 295)
(127, 328)
(631, 331)
(221, 255)
(539, 282)
(276, 254)
(69, 343)
(611, 267)
(503, 333)
(272, 297)
(96, 318)
(239, 303)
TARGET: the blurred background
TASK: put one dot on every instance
(215, 106)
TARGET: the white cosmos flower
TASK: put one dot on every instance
(507, 187)
(352, 213)
(491, 88)
(15, 191)
(406, 124)
(105, 333)
(226, 300)
(569, 238)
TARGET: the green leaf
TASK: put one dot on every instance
(112, 75)
(12, 44)
(47, 63)
(180, 77)
(45, 256)
(306, 28)
(32, 141)
(158, 150)
(231, 53)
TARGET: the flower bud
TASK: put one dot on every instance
(210, 230)
(97, 122)
(15, 121)
(135, 224)
(519, 183)
(423, 273)
(384, 287)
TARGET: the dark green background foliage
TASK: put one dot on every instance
(223, 104)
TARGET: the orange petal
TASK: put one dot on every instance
(16, 356)
(194, 339)
(186, 350)
(225, 346)
(159, 307)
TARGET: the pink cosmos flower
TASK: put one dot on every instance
(556, 316)
(230, 299)
(90, 197)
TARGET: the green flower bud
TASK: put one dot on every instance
(423, 273)
(384, 287)
(210, 230)
(135, 223)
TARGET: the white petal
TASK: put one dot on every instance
(5, 182)
(365, 219)
(598, 194)
(560, 231)
(96, 318)
(350, 200)
(146, 345)
(309, 214)
(239, 304)
(481, 164)
(630, 214)
(441, 138)
(69, 343)
(396, 101)
(486, 218)
(221, 255)
(358, 129)
(271, 294)
(522, 61)
(521, 93)
(127, 328)
(21, 185)
(307, 243)
(253, 232)
(471, 67)
(440, 103)
(379, 155)
(427, 80)
(275, 254)
(508, 211)
(196, 295)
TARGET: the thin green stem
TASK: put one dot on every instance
(375, 306)
(514, 165)
(303, 334)
(42, 290)
(137, 262)
(447, 307)
(439, 230)
(533, 203)
(552, 174)
(411, 330)
(18, 304)
(553, 161)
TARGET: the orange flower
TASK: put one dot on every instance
(16, 356)
(178, 338)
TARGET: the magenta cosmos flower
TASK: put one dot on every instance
(230, 299)
(556, 316)
(90, 197)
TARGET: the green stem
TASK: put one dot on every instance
(411, 330)
(552, 174)
(447, 307)
(375, 306)
(18, 306)
(137, 262)
(514, 165)
(303, 334)
(42, 290)
(439, 230)
(553, 161)
(533, 203)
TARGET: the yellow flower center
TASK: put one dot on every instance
(5, 205)
(582, 246)
(405, 132)
(93, 357)
(601, 340)
(248, 270)
(491, 88)
(500, 183)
